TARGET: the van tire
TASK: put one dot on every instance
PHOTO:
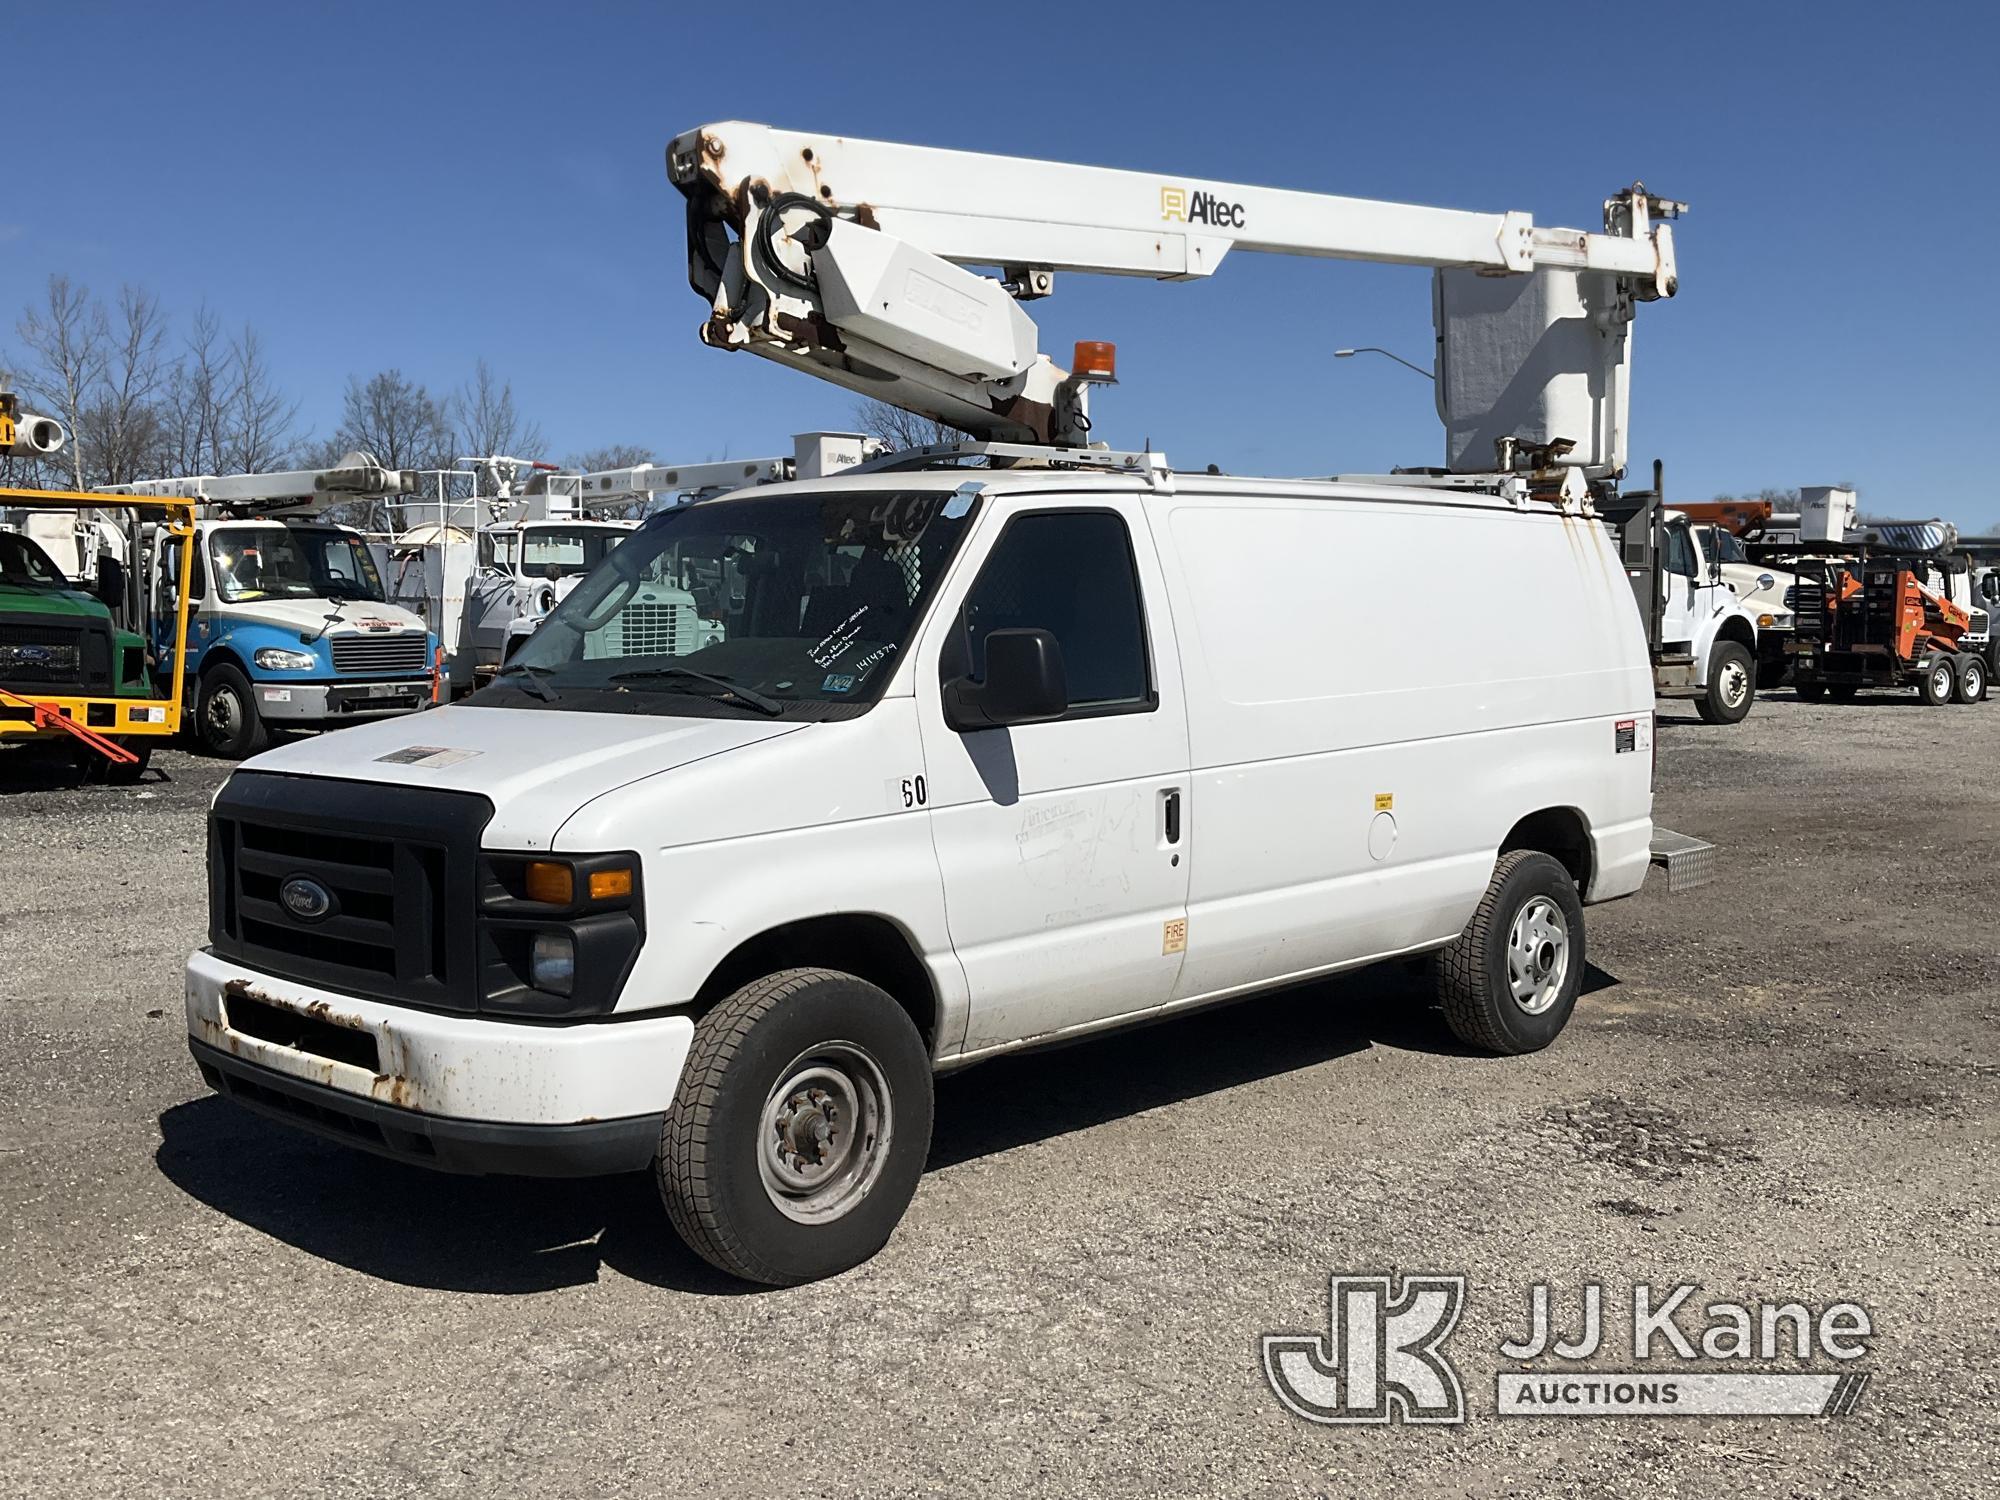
(1474, 977)
(1732, 684)
(226, 720)
(719, 1176)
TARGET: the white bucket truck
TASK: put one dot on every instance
(978, 758)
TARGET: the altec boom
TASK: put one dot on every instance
(846, 257)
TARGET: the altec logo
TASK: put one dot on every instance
(1202, 207)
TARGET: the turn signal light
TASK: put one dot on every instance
(1095, 361)
(551, 883)
(606, 884)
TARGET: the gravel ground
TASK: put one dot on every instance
(1782, 1085)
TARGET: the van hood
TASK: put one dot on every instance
(537, 767)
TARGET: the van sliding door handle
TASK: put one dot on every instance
(1173, 812)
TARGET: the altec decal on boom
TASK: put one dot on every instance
(847, 258)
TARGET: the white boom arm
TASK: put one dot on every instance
(357, 475)
(844, 256)
(640, 483)
(814, 455)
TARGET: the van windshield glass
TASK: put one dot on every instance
(794, 606)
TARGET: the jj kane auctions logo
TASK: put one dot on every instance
(1382, 1358)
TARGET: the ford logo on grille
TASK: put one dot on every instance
(305, 898)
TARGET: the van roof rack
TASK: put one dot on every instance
(1016, 455)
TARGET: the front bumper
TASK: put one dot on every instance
(317, 702)
(592, 1148)
(487, 1095)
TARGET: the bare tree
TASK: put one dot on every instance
(394, 418)
(903, 429)
(189, 430)
(258, 424)
(610, 456)
(117, 430)
(487, 421)
(65, 336)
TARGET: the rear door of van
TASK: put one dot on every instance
(1062, 844)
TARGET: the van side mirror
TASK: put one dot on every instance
(1024, 684)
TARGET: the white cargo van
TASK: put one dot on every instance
(974, 760)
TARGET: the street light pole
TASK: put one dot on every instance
(1371, 349)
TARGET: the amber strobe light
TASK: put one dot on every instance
(1095, 361)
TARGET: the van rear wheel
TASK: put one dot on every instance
(1509, 982)
(799, 1129)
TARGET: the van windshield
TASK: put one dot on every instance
(794, 606)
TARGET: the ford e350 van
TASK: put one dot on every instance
(897, 771)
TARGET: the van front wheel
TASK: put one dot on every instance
(1509, 982)
(799, 1128)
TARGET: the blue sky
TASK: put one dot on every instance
(420, 184)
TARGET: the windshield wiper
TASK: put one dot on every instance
(721, 686)
(533, 680)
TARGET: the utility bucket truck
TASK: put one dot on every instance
(1701, 636)
(292, 627)
(986, 747)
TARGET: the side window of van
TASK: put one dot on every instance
(1070, 573)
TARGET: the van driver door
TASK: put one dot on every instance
(1064, 845)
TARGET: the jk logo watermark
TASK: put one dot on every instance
(1383, 1357)
(1383, 1360)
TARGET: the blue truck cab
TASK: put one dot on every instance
(290, 628)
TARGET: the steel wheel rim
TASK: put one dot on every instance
(222, 713)
(1735, 683)
(1941, 681)
(1538, 955)
(823, 1134)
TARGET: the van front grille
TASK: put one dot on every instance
(385, 879)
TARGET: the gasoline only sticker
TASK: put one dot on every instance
(1627, 735)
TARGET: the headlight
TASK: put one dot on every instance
(277, 659)
(552, 963)
(558, 934)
